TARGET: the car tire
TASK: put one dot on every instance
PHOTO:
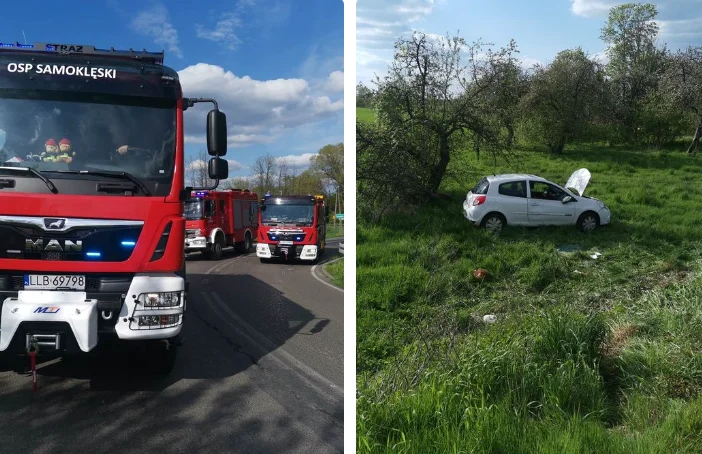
(493, 222)
(588, 222)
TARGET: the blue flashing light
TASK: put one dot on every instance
(272, 237)
(93, 254)
(201, 193)
(129, 243)
(268, 194)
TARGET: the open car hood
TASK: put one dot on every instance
(578, 181)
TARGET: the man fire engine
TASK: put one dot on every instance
(91, 200)
(292, 227)
(218, 219)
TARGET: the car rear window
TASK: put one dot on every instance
(513, 189)
(481, 187)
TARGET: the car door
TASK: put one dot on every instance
(513, 201)
(545, 205)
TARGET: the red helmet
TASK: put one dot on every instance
(65, 142)
(50, 142)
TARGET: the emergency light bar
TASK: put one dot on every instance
(154, 57)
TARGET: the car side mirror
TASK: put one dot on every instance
(567, 199)
(218, 169)
(216, 133)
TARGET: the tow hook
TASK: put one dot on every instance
(32, 350)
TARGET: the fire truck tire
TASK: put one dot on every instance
(217, 248)
(161, 360)
(244, 247)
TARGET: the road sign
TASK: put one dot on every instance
(340, 216)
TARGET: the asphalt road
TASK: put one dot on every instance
(261, 370)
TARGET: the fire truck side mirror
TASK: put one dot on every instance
(218, 169)
(216, 133)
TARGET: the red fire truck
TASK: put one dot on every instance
(92, 228)
(218, 219)
(292, 227)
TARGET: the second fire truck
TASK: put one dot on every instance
(218, 219)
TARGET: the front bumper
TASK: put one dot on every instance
(295, 251)
(82, 319)
(605, 216)
(197, 243)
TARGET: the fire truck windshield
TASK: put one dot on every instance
(275, 214)
(56, 131)
(194, 209)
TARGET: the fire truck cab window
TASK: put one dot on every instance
(55, 131)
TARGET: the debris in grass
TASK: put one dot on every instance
(490, 318)
(595, 256)
(480, 274)
(568, 248)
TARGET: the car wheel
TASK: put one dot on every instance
(494, 222)
(588, 221)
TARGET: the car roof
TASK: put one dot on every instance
(513, 176)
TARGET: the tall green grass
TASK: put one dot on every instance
(587, 355)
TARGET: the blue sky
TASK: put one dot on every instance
(275, 66)
(541, 28)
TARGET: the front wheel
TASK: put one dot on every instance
(588, 222)
(162, 358)
(217, 249)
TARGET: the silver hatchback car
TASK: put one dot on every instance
(530, 200)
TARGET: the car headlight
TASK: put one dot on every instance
(160, 299)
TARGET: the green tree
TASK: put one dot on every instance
(564, 97)
(428, 100)
(364, 96)
(682, 85)
(634, 61)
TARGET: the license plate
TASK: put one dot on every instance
(54, 282)
(286, 243)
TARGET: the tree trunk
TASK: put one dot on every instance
(692, 149)
(557, 149)
(439, 169)
(510, 135)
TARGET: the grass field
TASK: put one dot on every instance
(586, 355)
(336, 271)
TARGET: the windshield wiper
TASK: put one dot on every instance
(105, 173)
(37, 174)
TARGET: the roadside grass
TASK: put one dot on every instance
(586, 355)
(336, 272)
(335, 231)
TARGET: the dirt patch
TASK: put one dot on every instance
(618, 339)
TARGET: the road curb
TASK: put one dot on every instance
(325, 278)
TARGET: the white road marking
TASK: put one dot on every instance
(285, 359)
(314, 274)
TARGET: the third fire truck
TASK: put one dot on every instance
(218, 219)
(292, 227)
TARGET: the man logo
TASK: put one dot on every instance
(54, 224)
(47, 309)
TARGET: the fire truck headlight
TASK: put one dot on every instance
(198, 232)
(161, 299)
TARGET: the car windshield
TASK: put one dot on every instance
(288, 214)
(194, 209)
(56, 131)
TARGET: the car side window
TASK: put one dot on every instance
(544, 191)
(513, 189)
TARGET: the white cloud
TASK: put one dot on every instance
(200, 164)
(297, 161)
(257, 111)
(591, 8)
(379, 23)
(155, 22)
(528, 63)
(335, 82)
(224, 31)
